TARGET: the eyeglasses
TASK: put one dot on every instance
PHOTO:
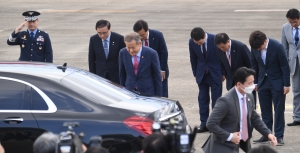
(103, 33)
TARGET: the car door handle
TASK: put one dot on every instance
(13, 120)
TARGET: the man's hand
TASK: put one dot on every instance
(20, 27)
(163, 75)
(1, 149)
(223, 78)
(236, 137)
(273, 139)
(286, 90)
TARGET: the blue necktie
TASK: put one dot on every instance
(31, 36)
(296, 37)
(105, 47)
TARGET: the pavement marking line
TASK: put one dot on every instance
(271, 10)
(87, 11)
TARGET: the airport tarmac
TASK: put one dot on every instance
(70, 23)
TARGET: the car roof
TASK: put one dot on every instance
(45, 70)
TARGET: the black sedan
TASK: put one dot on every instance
(39, 97)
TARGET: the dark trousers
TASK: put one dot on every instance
(267, 94)
(165, 88)
(204, 98)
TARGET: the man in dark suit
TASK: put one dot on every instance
(268, 59)
(35, 44)
(233, 118)
(104, 51)
(155, 40)
(233, 55)
(139, 67)
(207, 71)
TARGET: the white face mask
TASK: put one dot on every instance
(249, 89)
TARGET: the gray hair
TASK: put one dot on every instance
(132, 36)
(46, 143)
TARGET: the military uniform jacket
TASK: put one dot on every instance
(38, 49)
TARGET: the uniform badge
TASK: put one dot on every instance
(40, 38)
(40, 48)
(23, 45)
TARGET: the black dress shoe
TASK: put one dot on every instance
(280, 142)
(202, 129)
(261, 140)
(295, 123)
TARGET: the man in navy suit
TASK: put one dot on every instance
(104, 51)
(207, 71)
(268, 59)
(139, 67)
(233, 55)
(35, 44)
(155, 40)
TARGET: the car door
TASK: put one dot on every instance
(18, 127)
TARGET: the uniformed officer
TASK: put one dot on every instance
(35, 44)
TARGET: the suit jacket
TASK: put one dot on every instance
(157, 42)
(225, 119)
(98, 63)
(292, 51)
(276, 68)
(148, 78)
(38, 49)
(211, 62)
(240, 57)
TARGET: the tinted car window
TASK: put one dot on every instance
(14, 95)
(96, 88)
(38, 103)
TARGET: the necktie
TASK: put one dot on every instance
(105, 47)
(146, 43)
(204, 54)
(204, 50)
(244, 121)
(296, 37)
(135, 64)
(31, 36)
(228, 57)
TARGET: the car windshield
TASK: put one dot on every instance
(96, 88)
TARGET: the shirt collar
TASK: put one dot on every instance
(108, 38)
(34, 32)
(229, 47)
(206, 36)
(295, 28)
(140, 52)
(267, 44)
(148, 35)
(240, 96)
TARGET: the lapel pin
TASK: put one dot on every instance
(24, 36)
(248, 99)
(142, 56)
(23, 45)
(233, 50)
(153, 38)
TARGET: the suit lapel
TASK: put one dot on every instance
(141, 62)
(151, 39)
(236, 102)
(129, 59)
(101, 48)
(208, 45)
(111, 45)
(232, 53)
(269, 51)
